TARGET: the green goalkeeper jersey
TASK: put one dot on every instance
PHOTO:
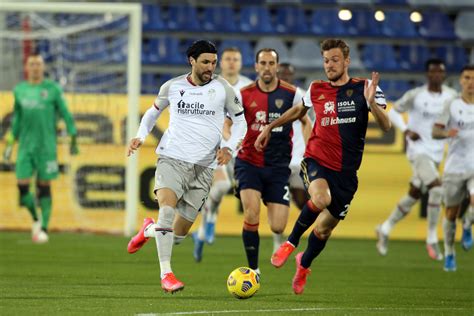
(36, 111)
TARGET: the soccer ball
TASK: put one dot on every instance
(243, 283)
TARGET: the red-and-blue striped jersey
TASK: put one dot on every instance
(338, 137)
(261, 108)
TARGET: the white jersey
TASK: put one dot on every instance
(459, 115)
(194, 133)
(241, 82)
(423, 109)
(298, 138)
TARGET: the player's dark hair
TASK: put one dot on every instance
(331, 43)
(467, 67)
(231, 49)
(433, 61)
(266, 50)
(201, 47)
(287, 65)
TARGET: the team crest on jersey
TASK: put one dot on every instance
(181, 92)
(44, 94)
(211, 94)
(349, 92)
(329, 107)
(279, 103)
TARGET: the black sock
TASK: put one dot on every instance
(305, 220)
(315, 246)
(251, 243)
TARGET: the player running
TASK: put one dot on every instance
(38, 104)
(423, 105)
(333, 153)
(198, 103)
(264, 175)
(457, 124)
(230, 64)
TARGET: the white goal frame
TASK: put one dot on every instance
(134, 12)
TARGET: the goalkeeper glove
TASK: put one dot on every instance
(74, 149)
(7, 153)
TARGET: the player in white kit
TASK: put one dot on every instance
(198, 103)
(230, 64)
(457, 124)
(423, 105)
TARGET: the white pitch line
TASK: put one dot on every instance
(315, 309)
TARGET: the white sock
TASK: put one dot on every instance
(434, 207)
(201, 233)
(217, 192)
(468, 217)
(277, 240)
(164, 238)
(257, 270)
(400, 211)
(149, 231)
(178, 239)
(449, 229)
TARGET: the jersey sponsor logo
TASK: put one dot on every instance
(321, 97)
(44, 94)
(326, 121)
(329, 107)
(346, 106)
(236, 100)
(279, 103)
(253, 104)
(194, 108)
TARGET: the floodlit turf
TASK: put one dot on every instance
(88, 274)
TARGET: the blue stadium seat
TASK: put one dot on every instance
(248, 57)
(305, 53)
(455, 57)
(436, 25)
(379, 57)
(363, 23)
(163, 50)
(162, 79)
(390, 2)
(152, 20)
(182, 17)
(394, 89)
(291, 19)
(464, 25)
(255, 19)
(219, 19)
(43, 47)
(413, 57)
(398, 24)
(356, 62)
(356, 2)
(319, 1)
(326, 22)
(149, 84)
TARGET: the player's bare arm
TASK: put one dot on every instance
(224, 155)
(296, 112)
(226, 128)
(134, 144)
(439, 132)
(379, 114)
(306, 126)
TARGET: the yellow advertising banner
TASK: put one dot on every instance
(89, 194)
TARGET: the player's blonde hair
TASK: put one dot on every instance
(335, 43)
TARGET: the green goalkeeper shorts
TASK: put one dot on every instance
(45, 166)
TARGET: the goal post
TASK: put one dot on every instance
(131, 89)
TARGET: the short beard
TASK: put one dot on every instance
(336, 78)
(201, 78)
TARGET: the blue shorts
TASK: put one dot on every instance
(342, 184)
(271, 182)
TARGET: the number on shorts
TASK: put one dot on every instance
(344, 213)
(286, 196)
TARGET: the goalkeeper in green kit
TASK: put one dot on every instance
(38, 104)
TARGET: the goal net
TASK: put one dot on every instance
(93, 51)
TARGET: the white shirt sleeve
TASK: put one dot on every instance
(235, 112)
(299, 94)
(153, 113)
(307, 98)
(406, 102)
(397, 119)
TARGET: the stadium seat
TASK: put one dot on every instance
(149, 84)
(379, 57)
(248, 56)
(356, 62)
(255, 19)
(319, 1)
(152, 19)
(394, 89)
(436, 25)
(464, 25)
(163, 50)
(363, 23)
(455, 57)
(413, 57)
(118, 49)
(358, 2)
(417, 3)
(326, 22)
(275, 43)
(398, 24)
(219, 19)
(390, 2)
(182, 17)
(291, 19)
(305, 53)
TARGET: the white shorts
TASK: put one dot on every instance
(190, 182)
(425, 171)
(295, 181)
(456, 187)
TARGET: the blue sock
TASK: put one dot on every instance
(251, 244)
(315, 246)
(305, 220)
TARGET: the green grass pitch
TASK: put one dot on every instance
(88, 274)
